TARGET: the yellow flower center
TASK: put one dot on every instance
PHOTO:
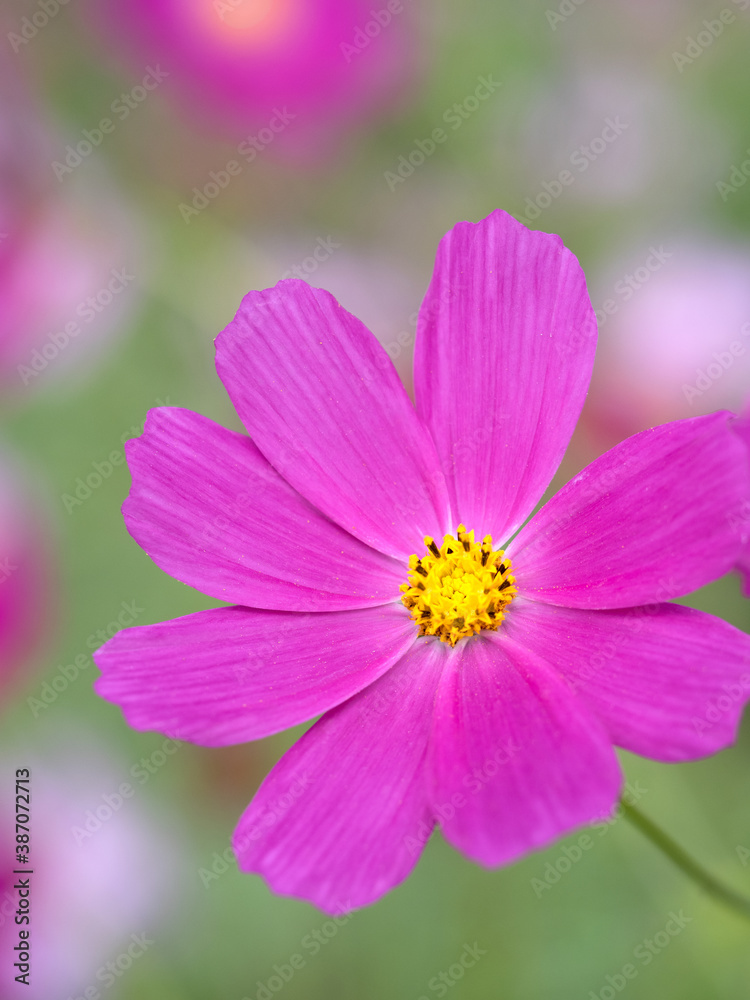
(459, 589)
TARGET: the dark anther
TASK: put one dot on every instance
(503, 585)
(422, 570)
(434, 549)
(485, 556)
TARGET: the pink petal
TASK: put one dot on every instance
(210, 511)
(516, 758)
(322, 401)
(236, 674)
(504, 352)
(741, 516)
(647, 521)
(668, 682)
(342, 817)
(743, 565)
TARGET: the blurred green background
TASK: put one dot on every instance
(656, 184)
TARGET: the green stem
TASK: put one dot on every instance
(717, 890)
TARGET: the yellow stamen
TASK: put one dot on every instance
(459, 589)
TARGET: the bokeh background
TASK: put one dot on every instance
(124, 250)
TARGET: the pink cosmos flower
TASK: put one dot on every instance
(304, 69)
(480, 687)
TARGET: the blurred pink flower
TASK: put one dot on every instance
(61, 245)
(302, 71)
(676, 342)
(90, 891)
(27, 593)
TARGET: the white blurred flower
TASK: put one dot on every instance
(89, 893)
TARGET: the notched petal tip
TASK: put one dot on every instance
(498, 221)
